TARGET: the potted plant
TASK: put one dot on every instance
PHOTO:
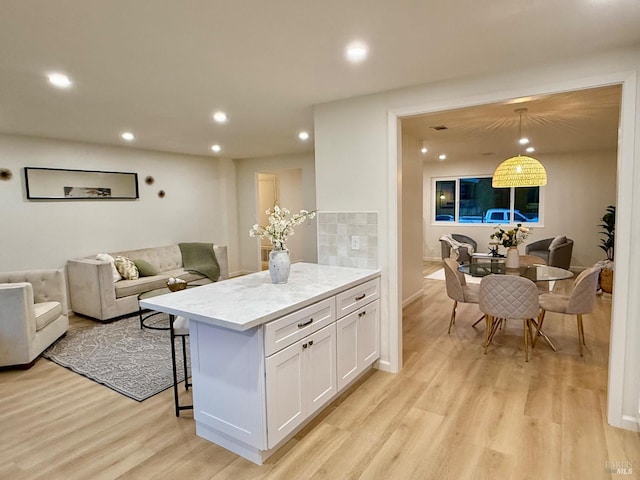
(607, 244)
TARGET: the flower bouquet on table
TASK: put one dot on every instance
(279, 229)
(280, 226)
(510, 239)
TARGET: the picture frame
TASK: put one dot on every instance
(67, 184)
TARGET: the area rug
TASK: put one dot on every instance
(121, 356)
(439, 275)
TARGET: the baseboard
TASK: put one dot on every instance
(413, 298)
(631, 423)
(240, 273)
(384, 366)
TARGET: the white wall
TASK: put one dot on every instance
(580, 186)
(357, 169)
(412, 281)
(45, 234)
(246, 178)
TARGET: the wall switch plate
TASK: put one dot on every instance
(355, 242)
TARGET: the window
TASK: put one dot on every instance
(474, 200)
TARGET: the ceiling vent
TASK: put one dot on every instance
(440, 127)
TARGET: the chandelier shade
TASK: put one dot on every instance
(519, 171)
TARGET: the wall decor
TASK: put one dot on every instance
(66, 184)
(149, 180)
(5, 174)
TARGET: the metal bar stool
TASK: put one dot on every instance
(179, 327)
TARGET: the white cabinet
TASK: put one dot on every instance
(255, 387)
(358, 342)
(299, 380)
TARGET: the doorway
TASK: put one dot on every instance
(285, 188)
(621, 384)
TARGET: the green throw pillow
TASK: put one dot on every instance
(145, 268)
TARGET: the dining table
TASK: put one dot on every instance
(531, 267)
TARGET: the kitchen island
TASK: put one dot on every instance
(266, 357)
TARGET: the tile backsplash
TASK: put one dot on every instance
(348, 239)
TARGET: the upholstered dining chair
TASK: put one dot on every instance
(458, 290)
(579, 302)
(505, 297)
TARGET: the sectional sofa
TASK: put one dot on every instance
(94, 293)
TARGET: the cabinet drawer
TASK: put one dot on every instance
(354, 298)
(289, 329)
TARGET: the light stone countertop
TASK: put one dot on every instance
(248, 301)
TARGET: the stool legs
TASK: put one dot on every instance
(175, 369)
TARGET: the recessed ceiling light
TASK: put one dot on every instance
(220, 117)
(442, 156)
(523, 141)
(303, 135)
(128, 136)
(216, 148)
(356, 52)
(530, 149)
(424, 150)
(59, 80)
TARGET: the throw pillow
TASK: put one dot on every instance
(556, 242)
(127, 268)
(105, 257)
(145, 269)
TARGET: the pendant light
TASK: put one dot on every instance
(521, 170)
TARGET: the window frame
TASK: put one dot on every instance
(457, 179)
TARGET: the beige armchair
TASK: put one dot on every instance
(33, 314)
(464, 255)
(555, 251)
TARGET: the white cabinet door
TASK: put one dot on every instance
(358, 342)
(347, 351)
(299, 380)
(320, 368)
(285, 387)
(369, 334)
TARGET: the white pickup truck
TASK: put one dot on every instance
(497, 215)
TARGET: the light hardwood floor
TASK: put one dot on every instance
(452, 413)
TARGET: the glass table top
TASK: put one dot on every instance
(535, 272)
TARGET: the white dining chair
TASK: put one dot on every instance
(579, 302)
(458, 290)
(506, 297)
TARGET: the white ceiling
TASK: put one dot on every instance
(160, 68)
(582, 120)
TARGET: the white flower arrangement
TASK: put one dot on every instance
(510, 238)
(280, 226)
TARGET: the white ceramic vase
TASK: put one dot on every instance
(513, 258)
(279, 266)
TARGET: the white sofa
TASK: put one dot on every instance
(93, 292)
(33, 314)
